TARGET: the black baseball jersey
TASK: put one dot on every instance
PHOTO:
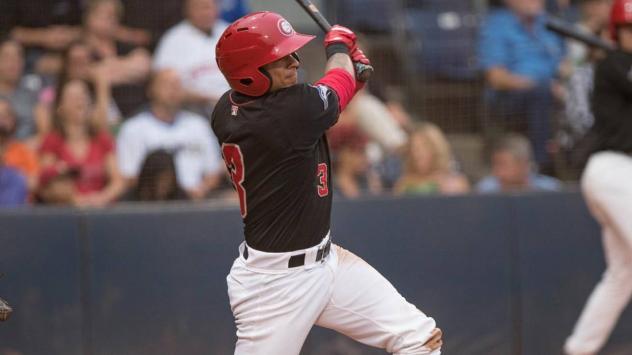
(612, 103)
(276, 153)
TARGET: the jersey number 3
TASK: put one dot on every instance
(234, 160)
(323, 188)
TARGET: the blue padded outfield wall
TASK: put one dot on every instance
(501, 274)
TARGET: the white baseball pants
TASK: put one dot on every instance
(275, 306)
(607, 188)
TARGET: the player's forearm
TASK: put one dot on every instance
(342, 61)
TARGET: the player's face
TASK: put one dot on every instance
(625, 38)
(283, 72)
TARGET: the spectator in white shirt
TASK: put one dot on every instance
(166, 126)
(189, 48)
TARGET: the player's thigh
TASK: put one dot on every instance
(275, 312)
(606, 186)
(366, 307)
(618, 254)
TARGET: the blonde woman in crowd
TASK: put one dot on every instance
(428, 165)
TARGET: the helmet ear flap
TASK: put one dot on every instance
(268, 76)
(259, 82)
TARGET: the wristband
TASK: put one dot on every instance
(336, 48)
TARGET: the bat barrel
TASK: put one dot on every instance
(315, 14)
(363, 71)
(568, 30)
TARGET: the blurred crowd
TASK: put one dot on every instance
(93, 112)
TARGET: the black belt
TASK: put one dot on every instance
(299, 259)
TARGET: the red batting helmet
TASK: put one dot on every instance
(621, 14)
(252, 42)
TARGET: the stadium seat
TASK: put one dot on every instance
(366, 16)
(443, 39)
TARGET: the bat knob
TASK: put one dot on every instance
(363, 71)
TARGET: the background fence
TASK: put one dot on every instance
(501, 274)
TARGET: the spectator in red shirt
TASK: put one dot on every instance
(80, 149)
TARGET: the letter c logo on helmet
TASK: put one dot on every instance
(285, 27)
(252, 42)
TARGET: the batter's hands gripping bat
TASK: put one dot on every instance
(363, 71)
(568, 30)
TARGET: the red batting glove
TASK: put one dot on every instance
(357, 56)
(341, 34)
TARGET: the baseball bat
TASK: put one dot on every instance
(569, 30)
(363, 71)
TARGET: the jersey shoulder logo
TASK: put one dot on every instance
(323, 92)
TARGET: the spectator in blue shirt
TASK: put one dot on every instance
(13, 188)
(513, 169)
(231, 10)
(13, 185)
(521, 59)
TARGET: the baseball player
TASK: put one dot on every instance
(289, 275)
(607, 188)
